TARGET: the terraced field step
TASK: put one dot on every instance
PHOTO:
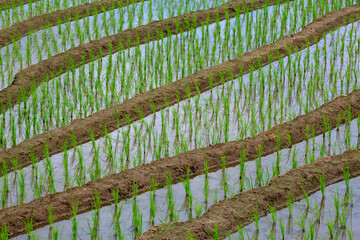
(28, 79)
(239, 210)
(116, 116)
(340, 110)
(47, 20)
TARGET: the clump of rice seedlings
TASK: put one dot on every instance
(66, 165)
(206, 183)
(331, 229)
(137, 215)
(316, 210)
(255, 215)
(302, 222)
(224, 177)
(29, 229)
(242, 170)
(282, 227)
(199, 208)
(53, 231)
(343, 216)
(74, 223)
(278, 156)
(322, 183)
(95, 170)
(347, 177)
(94, 228)
(294, 160)
(188, 194)
(5, 189)
(117, 214)
(259, 169)
(311, 232)
(290, 202)
(4, 233)
(273, 215)
(49, 169)
(306, 197)
(152, 198)
(21, 190)
(173, 215)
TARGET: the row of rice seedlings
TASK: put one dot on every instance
(329, 213)
(46, 43)
(192, 197)
(84, 98)
(204, 120)
(10, 14)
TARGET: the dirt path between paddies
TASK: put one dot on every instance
(28, 79)
(7, 4)
(114, 117)
(239, 210)
(47, 20)
(335, 111)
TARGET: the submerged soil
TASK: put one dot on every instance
(47, 20)
(116, 116)
(239, 210)
(336, 111)
(28, 79)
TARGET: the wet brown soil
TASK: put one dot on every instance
(239, 209)
(7, 4)
(169, 94)
(28, 79)
(336, 111)
(47, 20)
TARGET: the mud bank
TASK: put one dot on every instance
(169, 94)
(336, 111)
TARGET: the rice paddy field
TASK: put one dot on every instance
(181, 119)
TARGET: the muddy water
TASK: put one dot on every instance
(317, 147)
